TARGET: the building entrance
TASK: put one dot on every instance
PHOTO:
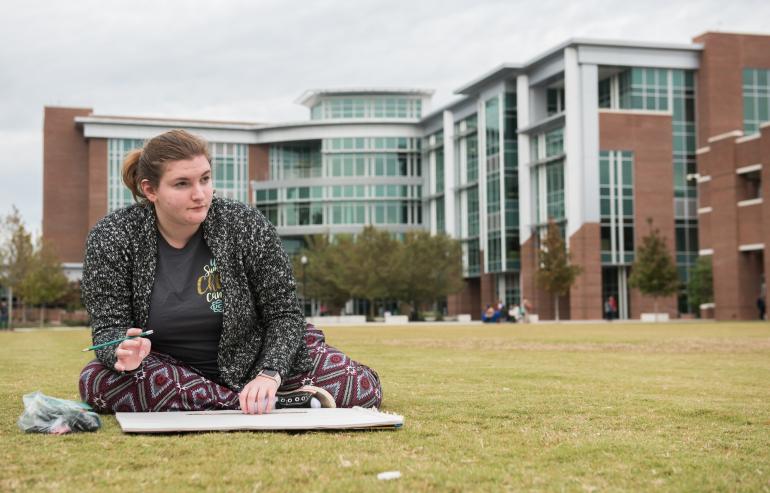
(615, 283)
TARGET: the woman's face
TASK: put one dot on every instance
(183, 196)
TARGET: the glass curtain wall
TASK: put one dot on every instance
(344, 204)
(616, 205)
(230, 170)
(511, 187)
(685, 186)
(547, 152)
(118, 195)
(467, 200)
(492, 112)
(434, 156)
(372, 107)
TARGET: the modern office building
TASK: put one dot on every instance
(600, 136)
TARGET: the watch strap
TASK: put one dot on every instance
(272, 374)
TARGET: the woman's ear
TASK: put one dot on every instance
(148, 190)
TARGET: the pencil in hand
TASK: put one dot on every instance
(116, 341)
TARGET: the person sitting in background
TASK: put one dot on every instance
(514, 313)
(489, 315)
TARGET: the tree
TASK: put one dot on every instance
(374, 266)
(326, 272)
(429, 269)
(44, 282)
(15, 255)
(653, 271)
(555, 275)
(701, 287)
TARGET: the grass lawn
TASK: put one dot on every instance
(669, 407)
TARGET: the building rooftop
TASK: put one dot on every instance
(167, 122)
(310, 97)
(509, 69)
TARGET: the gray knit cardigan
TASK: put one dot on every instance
(262, 325)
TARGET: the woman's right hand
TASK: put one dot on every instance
(131, 353)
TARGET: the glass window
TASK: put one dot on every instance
(554, 142)
(555, 100)
(118, 195)
(756, 98)
(555, 190)
(616, 206)
(604, 93)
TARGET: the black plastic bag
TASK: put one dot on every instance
(44, 414)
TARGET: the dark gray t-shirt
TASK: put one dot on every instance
(186, 305)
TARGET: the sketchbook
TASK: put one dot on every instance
(281, 419)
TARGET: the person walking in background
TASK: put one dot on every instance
(613, 308)
(762, 307)
(610, 308)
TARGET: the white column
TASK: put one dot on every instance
(525, 181)
(589, 106)
(572, 142)
(450, 227)
(581, 139)
(501, 168)
(431, 188)
(482, 174)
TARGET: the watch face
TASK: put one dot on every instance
(269, 373)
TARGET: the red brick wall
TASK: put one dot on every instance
(736, 273)
(764, 147)
(97, 180)
(727, 227)
(649, 137)
(543, 303)
(586, 293)
(468, 300)
(259, 162)
(750, 225)
(65, 182)
(487, 291)
(720, 79)
(528, 269)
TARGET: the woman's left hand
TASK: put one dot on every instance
(258, 396)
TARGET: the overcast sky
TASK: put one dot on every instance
(249, 60)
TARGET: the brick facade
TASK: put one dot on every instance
(730, 228)
(586, 294)
(735, 230)
(259, 162)
(720, 79)
(66, 189)
(648, 136)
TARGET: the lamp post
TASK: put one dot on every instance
(303, 260)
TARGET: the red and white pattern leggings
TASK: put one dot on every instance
(165, 384)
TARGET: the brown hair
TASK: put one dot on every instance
(149, 163)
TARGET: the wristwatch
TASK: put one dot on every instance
(272, 374)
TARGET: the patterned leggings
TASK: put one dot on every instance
(165, 384)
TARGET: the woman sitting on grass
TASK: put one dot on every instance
(210, 278)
